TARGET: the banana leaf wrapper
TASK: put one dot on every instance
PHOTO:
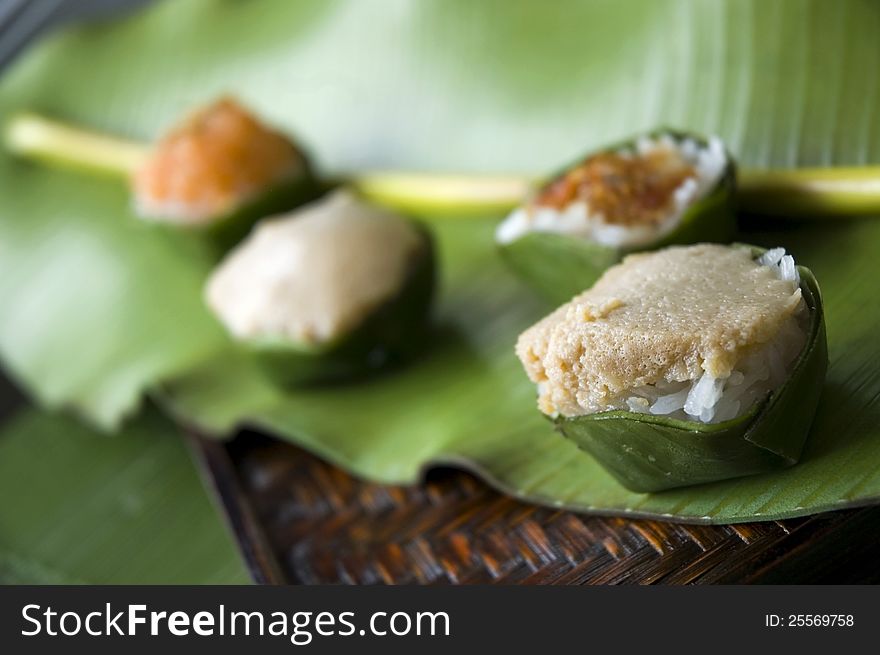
(560, 266)
(648, 453)
(223, 233)
(391, 335)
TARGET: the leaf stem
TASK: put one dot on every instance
(36, 137)
(443, 193)
(810, 192)
(796, 192)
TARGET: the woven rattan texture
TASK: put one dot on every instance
(301, 520)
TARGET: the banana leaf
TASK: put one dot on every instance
(658, 452)
(132, 510)
(467, 402)
(94, 312)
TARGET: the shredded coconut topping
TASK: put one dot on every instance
(630, 197)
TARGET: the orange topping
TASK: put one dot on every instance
(625, 189)
(207, 166)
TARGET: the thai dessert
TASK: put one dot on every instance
(214, 173)
(677, 366)
(658, 189)
(220, 167)
(327, 292)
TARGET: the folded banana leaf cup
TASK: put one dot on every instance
(220, 149)
(648, 453)
(392, 334)
(558, 266)
(224, 232)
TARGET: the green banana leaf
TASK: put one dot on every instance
(95, 310)
(81, 508)
(468, 403)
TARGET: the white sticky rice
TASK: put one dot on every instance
(712, 400)
(578, 219)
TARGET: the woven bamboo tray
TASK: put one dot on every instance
(299, 520)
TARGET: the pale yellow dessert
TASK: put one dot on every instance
(695, 332)
(312, 276)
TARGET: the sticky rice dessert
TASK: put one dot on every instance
(338, 286)
(628, 197)
(216, 161)
(698, 333)
(657, 189)
(686, 365)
